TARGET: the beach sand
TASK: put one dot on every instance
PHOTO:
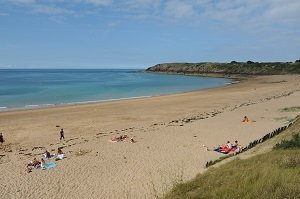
(169, 132)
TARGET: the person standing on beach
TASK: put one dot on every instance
(1, 139)
(62, 136)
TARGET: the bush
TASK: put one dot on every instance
(294, 143)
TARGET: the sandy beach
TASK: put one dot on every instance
(169, 132)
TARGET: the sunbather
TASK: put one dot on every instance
(120, 138)
(229, 145)
(235, 145)
(47, 154)
(60, 154)
(224, 148)
(35, 163)
(247, 120)
(43, 164)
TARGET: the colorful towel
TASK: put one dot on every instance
(48, 165)
(225, 150)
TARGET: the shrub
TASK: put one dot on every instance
(294, 143)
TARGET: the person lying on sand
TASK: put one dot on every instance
(34, 163)
(227, 148)
(119, 138)
(224, 148)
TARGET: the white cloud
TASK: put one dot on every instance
(225, 12)
(284, 11)
(49, 9)
(179, 9)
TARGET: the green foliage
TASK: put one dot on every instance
(248, 68)
(289, 144)
(275, 174)
(291, 109)
(212, 162)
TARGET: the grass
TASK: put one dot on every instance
(294, 143)
(291, 109)
(272, 174)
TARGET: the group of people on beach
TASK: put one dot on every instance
(35, 163)
(228, 147)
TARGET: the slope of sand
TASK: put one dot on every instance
(169, 130)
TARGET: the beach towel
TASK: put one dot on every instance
(225, 150)
(48, 165)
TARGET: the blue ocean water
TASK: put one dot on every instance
(48, 87)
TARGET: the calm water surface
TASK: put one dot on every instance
(37, 88)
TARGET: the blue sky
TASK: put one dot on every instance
(142, 33)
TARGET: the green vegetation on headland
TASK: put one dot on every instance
(271, 174)
(232, 68)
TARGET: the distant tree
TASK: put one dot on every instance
(250, 62)
(233, 62)
(297, 60)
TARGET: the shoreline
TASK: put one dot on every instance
(67, 104)
(170, 131)
(74, 103)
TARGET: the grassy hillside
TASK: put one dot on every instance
(273, 174)
(245, 68)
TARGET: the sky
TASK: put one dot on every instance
(142, 33)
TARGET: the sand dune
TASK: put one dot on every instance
(170, 131)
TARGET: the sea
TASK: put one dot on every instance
(36, 88)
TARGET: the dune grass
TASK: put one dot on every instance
(273, 174)
(291, 109)
(294, 143)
